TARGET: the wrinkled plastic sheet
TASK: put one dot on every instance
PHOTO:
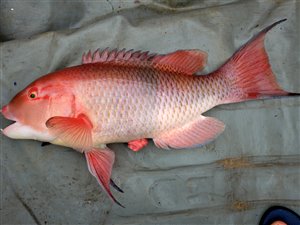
(254, 164)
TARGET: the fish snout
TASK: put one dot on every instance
(6, 113)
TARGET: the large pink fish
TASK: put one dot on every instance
(126, 96)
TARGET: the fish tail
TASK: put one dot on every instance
(249, 72)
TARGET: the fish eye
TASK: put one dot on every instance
(32, 93)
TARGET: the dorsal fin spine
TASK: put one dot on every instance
(114, 55)
(182, 61)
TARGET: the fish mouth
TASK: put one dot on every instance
(7, 114)
(15, 129)
(10, 129)
(19, 130)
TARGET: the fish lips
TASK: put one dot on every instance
(7, 114)
(18, 130)
(9, 131)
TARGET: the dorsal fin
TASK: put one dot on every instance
(115, 55)
(185, 61)
(182, 61)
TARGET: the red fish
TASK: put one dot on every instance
(127, 96)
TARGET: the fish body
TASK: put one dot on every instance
(126, 96)
(129, 102)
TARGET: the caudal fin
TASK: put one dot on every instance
(249, 72)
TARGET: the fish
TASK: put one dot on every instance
(127, 96)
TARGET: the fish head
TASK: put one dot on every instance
(32, 107)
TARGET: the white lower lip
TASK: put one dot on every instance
(20, 131)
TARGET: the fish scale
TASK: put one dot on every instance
(141, 103)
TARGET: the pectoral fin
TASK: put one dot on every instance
(100, 163)
(191, 135)
(73, 132)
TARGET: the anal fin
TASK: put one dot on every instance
(194, 134)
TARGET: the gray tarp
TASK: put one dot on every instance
(254, 164)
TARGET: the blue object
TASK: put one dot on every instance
(280, 213)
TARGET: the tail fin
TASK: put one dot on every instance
(250, 73)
